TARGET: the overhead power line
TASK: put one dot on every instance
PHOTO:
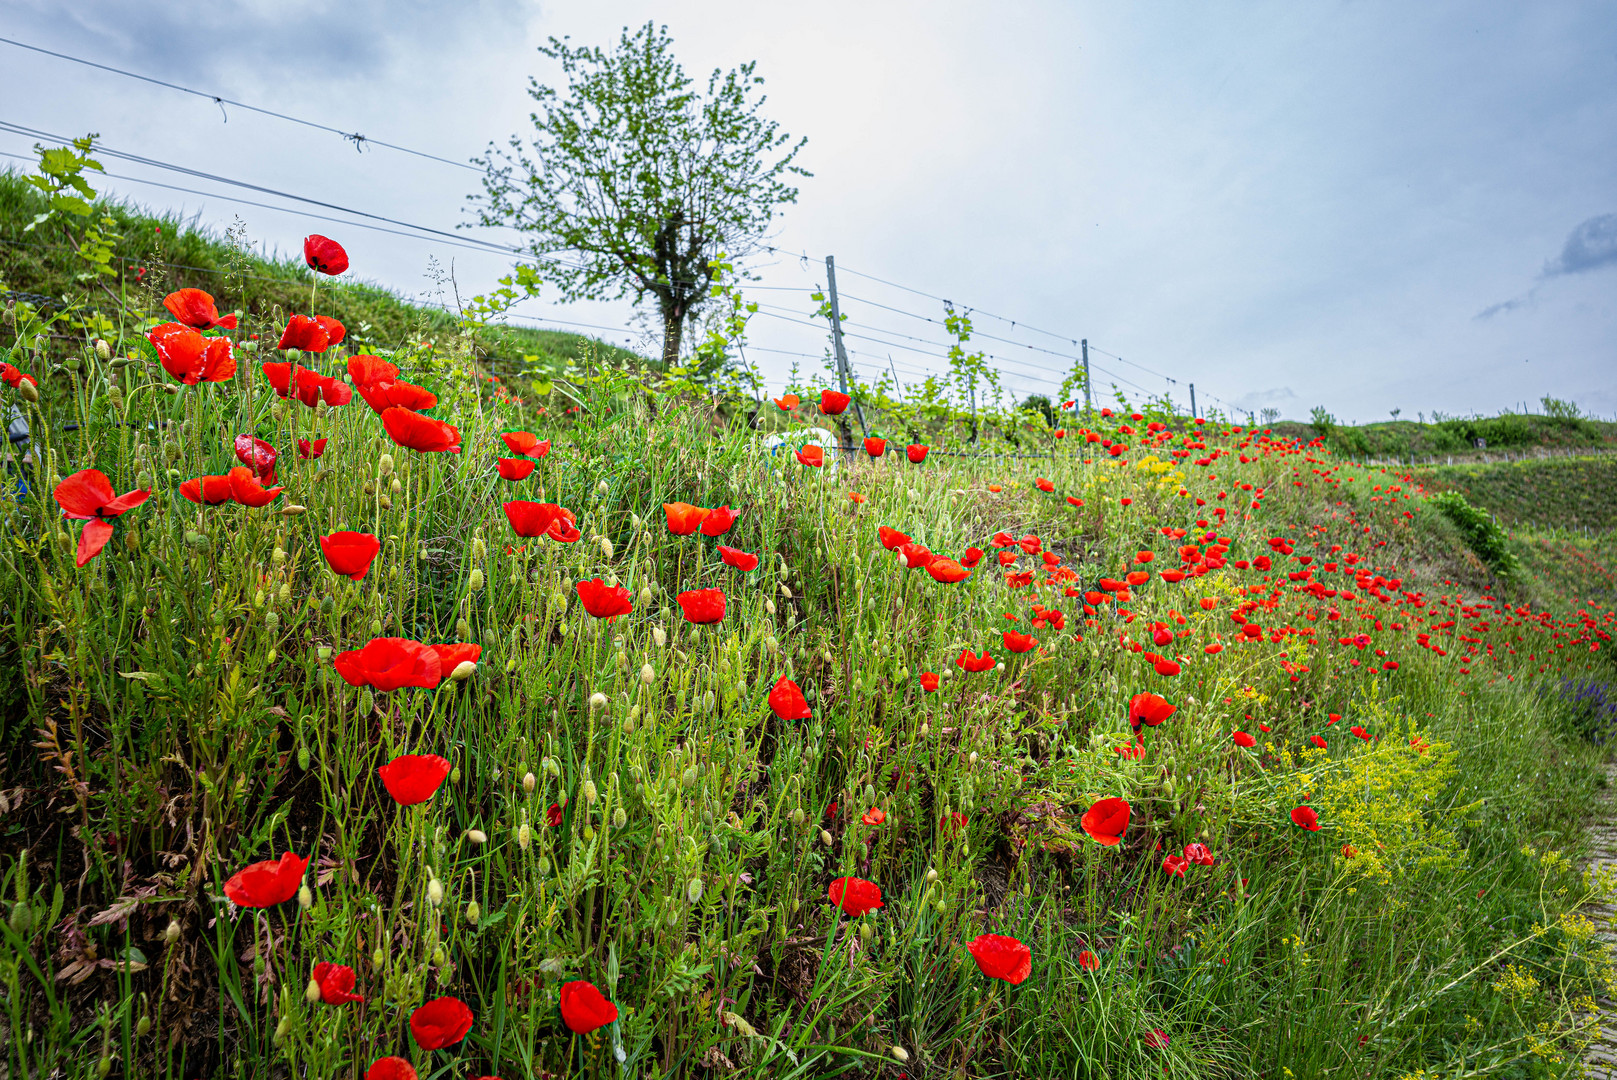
(359, 141)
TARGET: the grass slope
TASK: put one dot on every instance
(158, 253)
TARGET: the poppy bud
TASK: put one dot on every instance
(476, 836)
(303, 758)
(606, 547)
(311, 993)
(659, 636)
(454, 774)
(693, 890)
(104, 1066)
(597, 700)
(463, 628)
(463, 670)
(284, 594)
(30, 393)
(475, 579)
(973, 758)
(367, 701)
(900, 1054)
(272, 622)
(376, 628)
(305, 897)
(590, 794)
(435, 892)
(528, 782)
(769, 605)
(825, 838)
(647, 675)
(473, 913)
(384, 467)
(786, 592)
(603, 487)
(102, 349)
(143, 1026)
(282, 1027)
(926, 729)
(865, 932)
(172, 934)
(323, 651)
(479, 547)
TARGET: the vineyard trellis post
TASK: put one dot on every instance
(1089, 404)
(842, 353)
(1193, 401)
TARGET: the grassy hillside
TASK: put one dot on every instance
(157, 253)
(1406, 439)
(1572, 493)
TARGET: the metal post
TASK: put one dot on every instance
(836, 339)
(1193, 401)
(1089, 405)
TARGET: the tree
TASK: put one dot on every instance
(644, 181)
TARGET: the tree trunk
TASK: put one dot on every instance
(673, 327)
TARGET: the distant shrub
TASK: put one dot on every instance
(1481, 532)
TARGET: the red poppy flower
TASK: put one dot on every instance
(258, 455)
(308, 450)
(413, 778)
(787, 403)
(1175, 865)
(683, 518)
(602, 600)
(1001, 957)
(194, 308)
(535, 518)
(1155, 1039)
(1304, 818)
(451, 656)
(702, 606)
(737, 558)
(1106, 821)
(1151, 709)
(440, 1022)
(856, 497)
(350, 553)
(553, 815)
(307, 385)
(832, 402)
(947, 571)
(1172, 577)
(1044, 485)
(87, 496)
(324, 254)
(1030, 544)
(916, 452)
(855, 896)
(265, 884)
(1199, 853)
(515, 468)
(336, 983)
(914, 556)
(246, 489)
(583, 1009)
(875, 447)
(304, 333)
(381, 396)
(718, 522)
(207, 490)
(813, 456)
(190, 357)
(1002, 539)
(972, 557)
(873, 816)
(788, 702)
(1019, 643)
(14, 376)
(411, 429)
(1088, 960)
(929, 682)
(365, 369)
(1245, 741)
(974, 663)
(562, 531)
(891, 539)
(387, 663)
(390, 1068)
(1318, 740)
(1163, 666)
(526, 444)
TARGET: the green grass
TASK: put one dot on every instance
(1409, 439)
(158, 253)
(1566, 493)
(173, 714)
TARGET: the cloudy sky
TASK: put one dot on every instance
(1364, 205)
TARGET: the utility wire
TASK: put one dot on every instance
(359, 141)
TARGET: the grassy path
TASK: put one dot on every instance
(1600, 1059)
